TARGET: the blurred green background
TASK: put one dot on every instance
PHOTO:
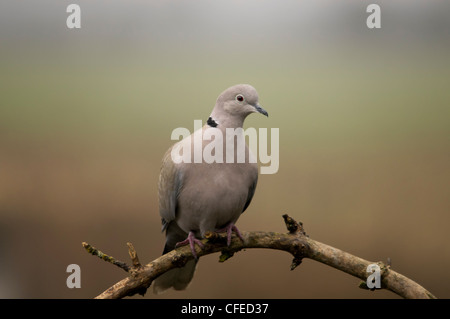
(86, 116)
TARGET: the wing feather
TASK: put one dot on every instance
(169, 187)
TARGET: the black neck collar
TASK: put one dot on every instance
(211, 122)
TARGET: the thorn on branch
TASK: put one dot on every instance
(296, 262)
(298, 250)
(292, 226)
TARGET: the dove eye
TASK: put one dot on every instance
(239, 97)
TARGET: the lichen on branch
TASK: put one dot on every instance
(295, 242)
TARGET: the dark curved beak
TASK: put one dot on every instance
(261, 110)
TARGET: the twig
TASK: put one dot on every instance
(133, 255)
(94, 251)
(295, 242)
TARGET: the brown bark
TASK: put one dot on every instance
(296, 242)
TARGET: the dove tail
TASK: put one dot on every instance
(177, 278)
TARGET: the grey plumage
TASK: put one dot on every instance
(199, 197)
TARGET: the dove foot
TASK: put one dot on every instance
(191, 240)
(229, 229)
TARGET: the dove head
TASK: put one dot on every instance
(235, 104)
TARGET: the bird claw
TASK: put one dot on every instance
(229, 229)
(191, 240)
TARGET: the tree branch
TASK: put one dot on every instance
(296, 242)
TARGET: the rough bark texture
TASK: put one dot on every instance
(296, 242)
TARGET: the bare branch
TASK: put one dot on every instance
(133, 255)
(94, 251)
(296, 242)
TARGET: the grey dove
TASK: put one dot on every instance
(209, 196)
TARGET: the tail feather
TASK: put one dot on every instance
(177, 278)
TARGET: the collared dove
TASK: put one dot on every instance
(198, 197)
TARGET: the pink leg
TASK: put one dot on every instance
(229, 229)
(191, 240)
